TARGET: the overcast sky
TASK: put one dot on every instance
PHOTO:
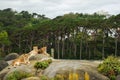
(53, 8)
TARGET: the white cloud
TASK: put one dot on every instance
(53, 8)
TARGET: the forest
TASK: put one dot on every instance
(72, 35)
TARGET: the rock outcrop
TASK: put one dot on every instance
(67, 67)
(58, 67)
(11, 56)
(3, 64)
(32, 78)
(39, 57)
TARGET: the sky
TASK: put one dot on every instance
(53, 8)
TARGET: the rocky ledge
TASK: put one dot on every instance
(59, 67)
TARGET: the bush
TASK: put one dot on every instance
(44, 77)
(49, 61)
(110, 67)
(18, 75)
(42, 65)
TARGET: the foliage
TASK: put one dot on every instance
(59, 77)
(44, 77)
(4, 38)
(73, 76)
(110, 67)
(18, 75)
(74, 34)
(49, 61)
(43, 64)
(87, 77)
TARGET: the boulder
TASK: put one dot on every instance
(39, 57)
(29, 69)
(118, 77)
(3, 73)
(11, 56)
(3, 64)
(31, 78)
(65, 68)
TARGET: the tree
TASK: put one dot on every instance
(4, 41)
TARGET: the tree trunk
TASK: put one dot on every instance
(63, 48)
(67, 50)
(31, 43)
(75, 50)
(70, 49)
(115, 46)
(19, 44)
(89, 53)
(103, 55)
(2, 50)
(58, 49)
(55, 46)
(86, 49)
(81, 49)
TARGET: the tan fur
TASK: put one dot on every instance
(24, 58)
(43, 50)
(34, 51)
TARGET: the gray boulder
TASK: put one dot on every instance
(29, 69)
(11, 56)
(67, 67)
(39, 57)
(3, 64)
(31, 78)
(118, 77)
(59, 67)
(9, 69)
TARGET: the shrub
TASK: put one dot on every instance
(49, 61)
(110, 67)
(47, 78)
(73, 76)
(44, 77)
(87, 77)
(17, 75)
(42, 65)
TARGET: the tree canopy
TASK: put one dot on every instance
(73, 35)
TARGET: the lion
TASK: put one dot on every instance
(24, 58)
(43, 50)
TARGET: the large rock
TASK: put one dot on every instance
(65, 68)
(3, 73)
(3, 64)
(25, 67)
(39, 57)
(32, 78)
(29, 68)
(11, 56)
(118, 77)
(60, 67)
